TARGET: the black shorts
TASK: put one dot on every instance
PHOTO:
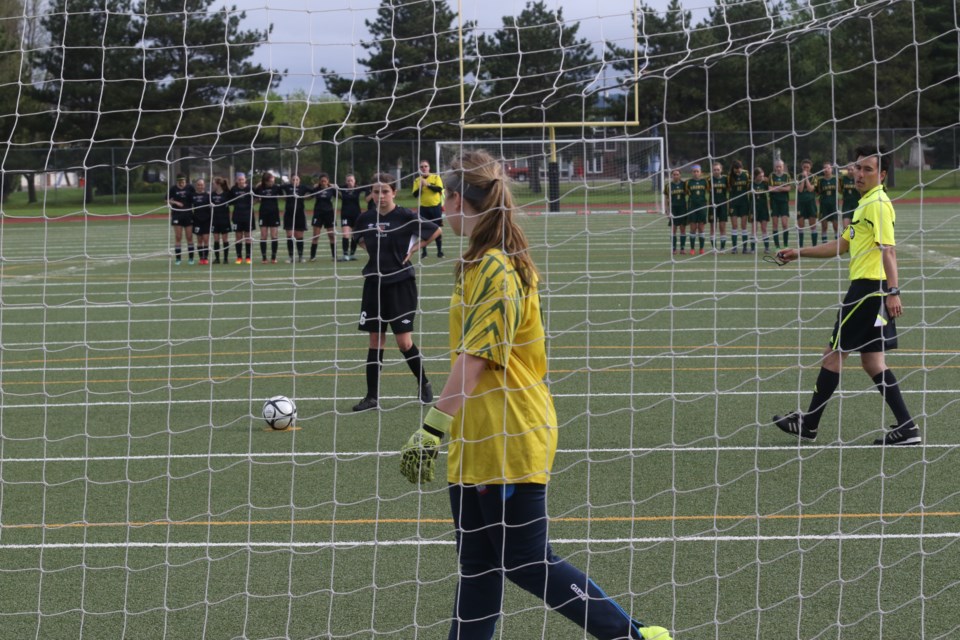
(323, 219)
(201, 224)
(720, 212)
(269, 219)
(181, 219)
(678, 219)
(295, 221)
(393, 304)
(242, 222)
(862, 310)
(221, 224)
(349, 219)
(432, 214)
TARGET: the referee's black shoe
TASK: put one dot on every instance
(792, 423)
(902, 435)
(366, 404)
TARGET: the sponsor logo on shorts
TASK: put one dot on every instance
(577, 590)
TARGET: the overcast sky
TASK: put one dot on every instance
(309, 34)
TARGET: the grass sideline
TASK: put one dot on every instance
(143, 497)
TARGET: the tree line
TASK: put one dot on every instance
(81, 76)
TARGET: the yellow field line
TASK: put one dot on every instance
(448, 521)
(258, 352)
(7, 383)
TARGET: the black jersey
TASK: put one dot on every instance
(324, 200)
(221, 210)
(183, 195)
(241, 199)
(350, 200)
(269, 198)
(200, 202)
(388, 238)
(296, 198)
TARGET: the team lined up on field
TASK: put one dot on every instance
(196, 215)
(758, 207)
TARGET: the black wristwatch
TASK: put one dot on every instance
(893, 291)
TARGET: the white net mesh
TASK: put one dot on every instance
(141, 493)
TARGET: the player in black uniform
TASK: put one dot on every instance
(201, 219)
(268, 195)
(391, 235)
(180, 201)
(295, 216)
(350, 195)
(241, 197)
(220, 223)
(324, 214)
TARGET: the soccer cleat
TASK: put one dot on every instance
(190, 261)
(238, 261)
(655, 633)
(734, 251)
(366, 404)
(701, 251)
(313, 259)
(216, 260)
(273, 261)
(264, 261)
(426, 393)
(899, 436)
(693, 252)
(440, 254)
(177, 262)
(248, 261)
(290, 260)
(674, 252)
(792, 423)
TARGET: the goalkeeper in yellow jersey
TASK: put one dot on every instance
(866, 320)
(499, 414)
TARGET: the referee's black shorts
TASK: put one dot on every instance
(392, 304)
(863, 323)
(432, 214)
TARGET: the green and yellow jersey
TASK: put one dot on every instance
(697, 190)
(677, 192)
(851, 196)
(719, 190)
(872, 226)
(740, 187)
(827, 192)
(779, 181)
(761, 204)
(427, 197)
(506, 431)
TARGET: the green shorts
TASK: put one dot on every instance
(780, 207)
(698, 215)
(740, 206)
(828, 210)
(807, 207)
(720, 212)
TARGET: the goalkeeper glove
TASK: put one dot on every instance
(419, 456)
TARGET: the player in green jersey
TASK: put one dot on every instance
(827, 192)
(761, 208)
(719, 195)
(676, 191)
(697, 190)
(806, 202)
(851, 196)
(739, 205)
(780, 187)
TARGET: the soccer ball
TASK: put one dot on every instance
(279, 412)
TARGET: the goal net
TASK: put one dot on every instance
(142, 494)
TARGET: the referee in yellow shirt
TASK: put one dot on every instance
(866, 321)
(428, 190)
(499, 413)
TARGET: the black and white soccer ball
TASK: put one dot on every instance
(280, 412)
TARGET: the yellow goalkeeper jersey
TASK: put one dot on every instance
(506, 431)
